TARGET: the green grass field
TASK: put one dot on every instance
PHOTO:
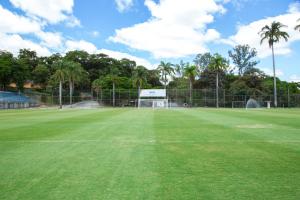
(150, 154)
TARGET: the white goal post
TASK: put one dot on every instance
(153, 98)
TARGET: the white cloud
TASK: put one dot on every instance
(248, 34)
(51, 40)
(295, 78)
(73, 22)
(13, 23)
(14, 42)
(123, 5)
(120, 55)
(176, 29)
(72, 45)
(53, 11)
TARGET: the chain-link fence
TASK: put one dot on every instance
(176, 97)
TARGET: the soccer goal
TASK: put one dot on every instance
(156, 98)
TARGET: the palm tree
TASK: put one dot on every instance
(218, 64)
(74, 73)
(191, 71)
(59, 75)
(297, 28)
(273, 34)
(97, 86)
(139, 77)
(165, 70)
(113, 76)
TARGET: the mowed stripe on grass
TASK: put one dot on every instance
(150, 154)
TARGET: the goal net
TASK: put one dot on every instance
(153, 103)
(155, 98)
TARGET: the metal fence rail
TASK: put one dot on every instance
(177, 98)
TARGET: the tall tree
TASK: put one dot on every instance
(165, 70)
(179, 68)
(6, 62)
(20, 73)
(202, 61)
(242, 56)
(273, 34)
(74, 73)
(191, 71)
(218, 64)
(127, 67)
(97, 86)
(114, 77)
(40, 74)
(60, 76)
(139, 77)
(29, 58)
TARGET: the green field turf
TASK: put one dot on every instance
(150, 154)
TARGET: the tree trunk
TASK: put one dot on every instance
(166, 81)
(101, 95)
(191, 93)
(139, 91)
(274, 77)
(114, 100)
(71, 92)
(217, 90)
(60, 94)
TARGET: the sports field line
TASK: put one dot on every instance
(150, 141)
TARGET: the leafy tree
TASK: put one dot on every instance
(28, 58)
(77, 56)
(239, 87)
(218, 64)
(165, 70)
(139, 77)
(242, 56)
(60, 76)
(202, 61)
(191, 72)
(41, 74)
(127, 67)
(273, 34)
(179, 68)
(249, 84)
(49, 61)
(153, 78)
(20, 73)
(6, 62)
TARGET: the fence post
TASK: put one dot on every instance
(288, 97)
(224, 93)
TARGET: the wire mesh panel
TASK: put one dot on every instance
(153, 103)
(176, 98)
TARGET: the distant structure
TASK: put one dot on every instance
(12, 100)
(153, 98)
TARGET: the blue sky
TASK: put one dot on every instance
(149, 31)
